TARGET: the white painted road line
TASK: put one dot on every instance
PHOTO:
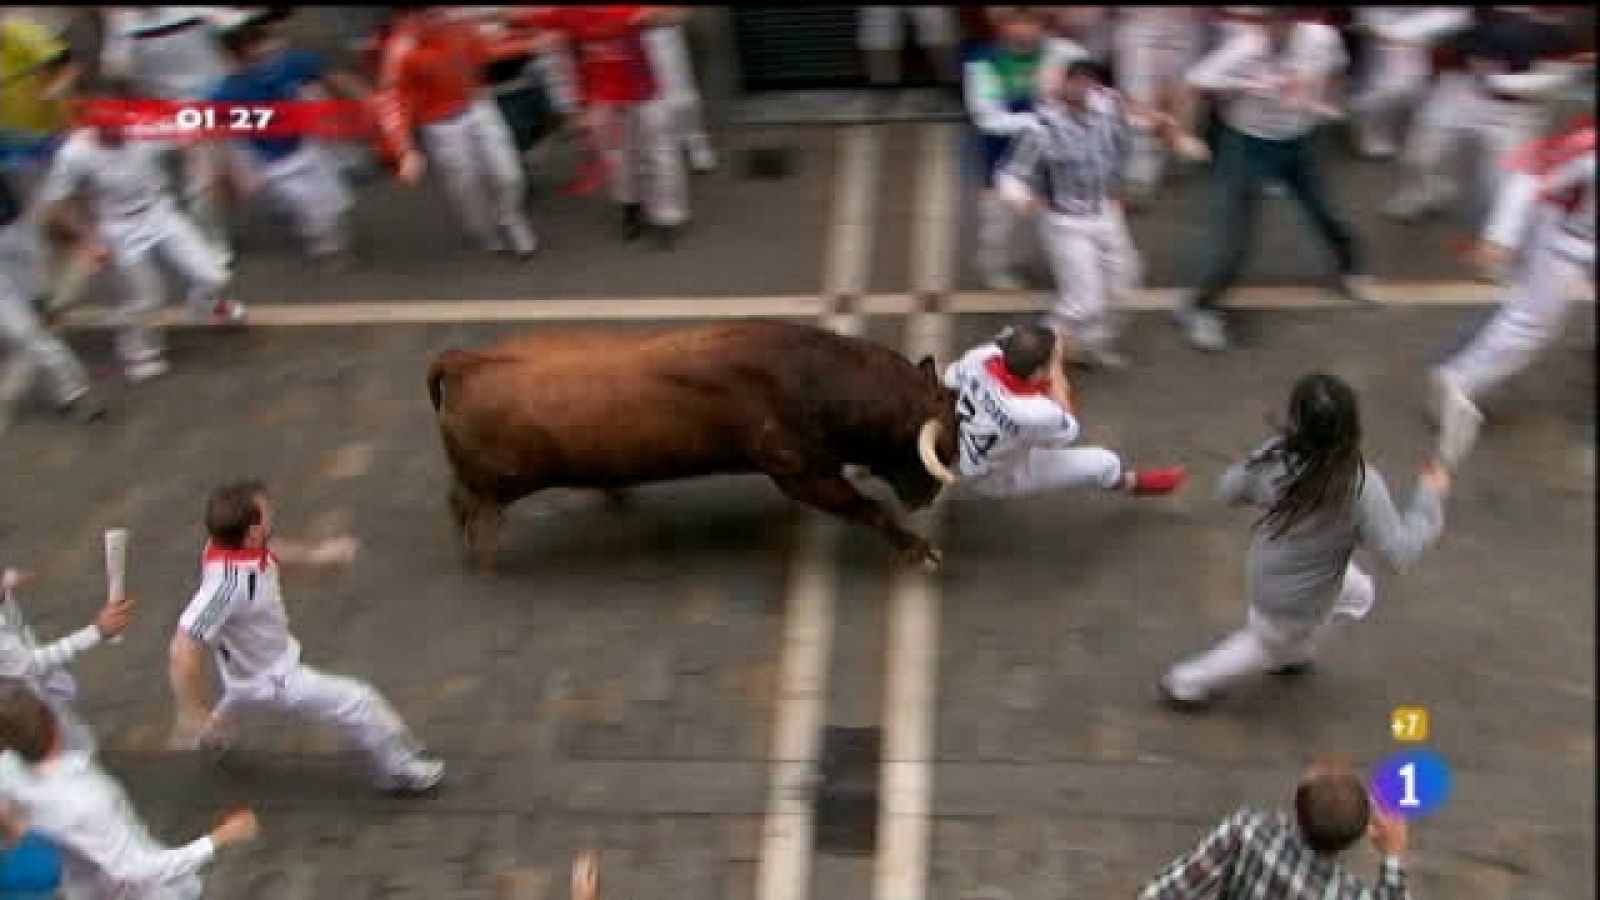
(782, 306)
(854, 209)
(906, 781)
(933, 246)
(905, 796)
(787, 836)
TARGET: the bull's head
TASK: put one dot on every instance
(918, 477)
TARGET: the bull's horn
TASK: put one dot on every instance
(928, 449)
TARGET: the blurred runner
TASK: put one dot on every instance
(296, 173)
(669, 59)
(430, 78)
(132, 219)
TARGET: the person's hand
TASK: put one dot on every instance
(114, 617)
(237, 827)
(586, 876)
(411, 168)
(13, 824)
(1490, 257)
(17, 578)
(1435, 476)
(339, 551)
(1389, 832)
(94, 254)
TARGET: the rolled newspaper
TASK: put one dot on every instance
(116, 566)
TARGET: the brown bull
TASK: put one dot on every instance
(607, 410)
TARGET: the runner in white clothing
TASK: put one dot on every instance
(44, 668)
(237, 614)
(174, 53)
(669, 60)
(107, 852)
(136, 219)
(1547, 205)
(1018, 425)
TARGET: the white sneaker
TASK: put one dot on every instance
(1203, 328)
(418, 777)
(701, 156)
(145, 370)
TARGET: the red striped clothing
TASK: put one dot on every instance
(429, 70)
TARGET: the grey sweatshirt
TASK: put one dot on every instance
(1297, 576)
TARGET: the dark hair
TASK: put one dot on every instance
(1027, 348)
(1321, 450)
(231, 511)
(239, 40)
(1084, 68)
(1331, 808)
(27, 725)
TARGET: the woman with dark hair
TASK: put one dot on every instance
(1321, 500)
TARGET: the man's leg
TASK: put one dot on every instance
(1138, 70)
(1305, 184)
(365, 720)
(997, 240)
(668, 202)
(30, 346)
(1427, 182)
(314, 197)
(618, 136)
(202, 175)
(1075, 262)
(450, 151)
(1233, 212)
(1530, 315)
(140, 343)
(1052, 468)
(204, 273)
(1263, 645)
(497, 157)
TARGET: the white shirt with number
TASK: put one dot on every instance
(238, 612)
(107, 852)
(1001, 417)
(1261, 104)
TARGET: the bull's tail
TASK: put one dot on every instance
(449, 364)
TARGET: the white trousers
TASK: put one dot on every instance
(1050, 468)
(1267, 643)
(1397, 82)
(883, 27)
(669, 60)
(29, 347)
(307, 188)
(1532, 309)
(1151, 59)
(166, 234)
(363, 718)
(644, 160)
(1457, 111)
(997, 249)
(477, 158)
(1093, 260)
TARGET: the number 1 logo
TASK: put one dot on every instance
(1412, 783)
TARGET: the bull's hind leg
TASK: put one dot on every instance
(833, 494)
(477, 519)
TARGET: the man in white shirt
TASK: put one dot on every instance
(1275, 84)
(1545, 204)
(107, 852)
(44, 668)
(175, 53)
(1018, 425)
(135, 220)
(1154, 46)
(237, 616)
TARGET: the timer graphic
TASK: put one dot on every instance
(236, 119)
(199, 121)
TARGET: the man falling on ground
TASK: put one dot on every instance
(238, 616)
(1018, 425)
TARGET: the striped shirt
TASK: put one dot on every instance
(238, 612)
(1072, 160)
(1253, 856)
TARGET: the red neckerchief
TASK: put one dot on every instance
(215, 552)
(996, 367)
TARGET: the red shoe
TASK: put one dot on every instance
(227, 313)
(1155, 482)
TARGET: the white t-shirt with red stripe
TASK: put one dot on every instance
(238, 612)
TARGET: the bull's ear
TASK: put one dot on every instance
(929, 369)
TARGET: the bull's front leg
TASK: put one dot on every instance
(833, 494)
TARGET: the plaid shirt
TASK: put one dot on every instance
(1252, 856)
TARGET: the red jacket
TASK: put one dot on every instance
(612, 65)
(427, 73)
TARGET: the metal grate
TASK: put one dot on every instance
(797, 47)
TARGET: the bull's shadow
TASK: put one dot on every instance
(723, 518)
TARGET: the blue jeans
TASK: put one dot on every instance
(30, 870)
